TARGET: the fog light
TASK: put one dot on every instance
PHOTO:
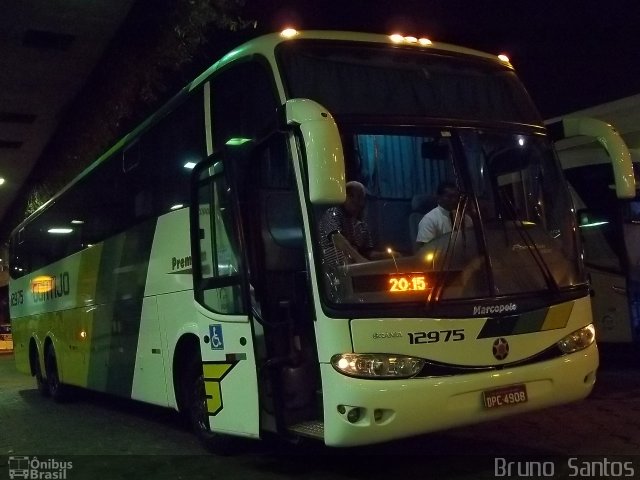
(354, 415)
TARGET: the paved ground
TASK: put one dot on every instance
(111, 438)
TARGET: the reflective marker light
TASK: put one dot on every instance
(397, 38)
(377, 365)
(288, 33)
(578, 340)
(42, 284)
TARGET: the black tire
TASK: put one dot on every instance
(41, 383)
(195, 404)
(57, 389)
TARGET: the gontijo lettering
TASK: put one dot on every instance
(50, 287)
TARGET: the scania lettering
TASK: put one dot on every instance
(264, 331)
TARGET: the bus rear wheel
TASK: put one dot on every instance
(56, 388)
(41, 383)
(196, 410)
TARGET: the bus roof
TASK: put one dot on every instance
(266, 45)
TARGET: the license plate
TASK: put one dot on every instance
(505, 396)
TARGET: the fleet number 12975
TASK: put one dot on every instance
(435, 336)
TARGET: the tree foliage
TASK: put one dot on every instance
(160, 46)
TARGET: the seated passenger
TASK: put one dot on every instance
(439, 221)
(344, 236)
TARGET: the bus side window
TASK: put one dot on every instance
(598, 239)
(220, 279)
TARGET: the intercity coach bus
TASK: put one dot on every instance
(609, 226)
(184, 267)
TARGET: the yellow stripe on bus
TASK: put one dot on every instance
(214, 397)
(557, 316)
(216, 371)
(213, 374)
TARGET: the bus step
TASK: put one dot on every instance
(312, 429)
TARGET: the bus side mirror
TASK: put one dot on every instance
(323, 148)
(612, 142)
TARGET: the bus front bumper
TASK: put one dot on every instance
(359, 411)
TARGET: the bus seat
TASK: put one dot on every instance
(282, 231)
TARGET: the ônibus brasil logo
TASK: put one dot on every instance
(36, 469)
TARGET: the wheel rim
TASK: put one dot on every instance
(52, 373)
(40, 383)
(198, 407)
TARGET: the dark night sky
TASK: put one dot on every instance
(570, 54)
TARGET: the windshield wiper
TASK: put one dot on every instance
(530, 244)
(458, 224)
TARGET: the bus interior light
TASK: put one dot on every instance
(237, 141)
(592, 224)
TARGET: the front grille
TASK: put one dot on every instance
(438, 369)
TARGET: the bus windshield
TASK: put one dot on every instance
(385, 80)
(513, 227)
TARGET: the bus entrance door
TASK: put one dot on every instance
(221, 293)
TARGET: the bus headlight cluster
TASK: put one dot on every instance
(376, 365)
(578, 340)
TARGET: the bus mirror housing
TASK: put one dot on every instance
(323, 147)
(610, 139)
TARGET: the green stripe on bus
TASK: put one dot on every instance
(121, 282)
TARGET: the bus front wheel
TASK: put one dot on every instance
(196, 410)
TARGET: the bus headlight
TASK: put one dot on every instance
(376, 365)
(578, 340)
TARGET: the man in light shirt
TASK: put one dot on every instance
(439, 221)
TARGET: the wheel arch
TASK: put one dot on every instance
(187, 347)
(34, 356)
